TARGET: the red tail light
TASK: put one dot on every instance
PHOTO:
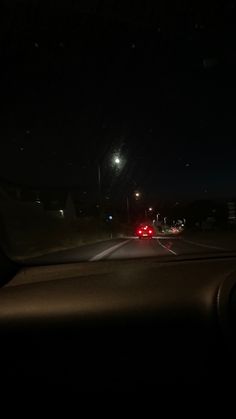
(140, 232)
(150, 231)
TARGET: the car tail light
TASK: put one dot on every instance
(150, 231)
(140, 232)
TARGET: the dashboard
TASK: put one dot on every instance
(119, 325)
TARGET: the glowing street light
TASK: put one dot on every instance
(150, 209)
(117, 160)
(117, 163)
(135, 195)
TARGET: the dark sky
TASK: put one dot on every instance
(154, 84)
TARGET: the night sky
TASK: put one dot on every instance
(152, 84)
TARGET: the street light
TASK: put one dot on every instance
(150, 209)
(137, 195)
(117, 160)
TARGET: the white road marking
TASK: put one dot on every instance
(165, 247)
(108, 251)
(166, 237)
(203, 245)
(156, 237)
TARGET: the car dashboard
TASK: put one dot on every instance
(119, 326)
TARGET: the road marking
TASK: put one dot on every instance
(156, 237)
(166, 237)
(107, 252)
(165, 247)
(203, 245)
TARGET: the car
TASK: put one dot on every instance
(145, 231)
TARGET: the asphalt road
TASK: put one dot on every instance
(130, 247)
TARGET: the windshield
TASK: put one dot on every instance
(117, 129)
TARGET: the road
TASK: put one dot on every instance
(130, 247)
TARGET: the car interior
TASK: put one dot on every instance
(118, 326)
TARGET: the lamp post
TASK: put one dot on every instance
(99, 184)
(137, 195)
(116, 160)
(128, 209)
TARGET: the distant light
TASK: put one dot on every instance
(150, 209)
(150, 231)
(110, 217)
(137, 194)
(117, 160)
(38, 201)
(175, 230)
(140, 232)
(61, 212)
